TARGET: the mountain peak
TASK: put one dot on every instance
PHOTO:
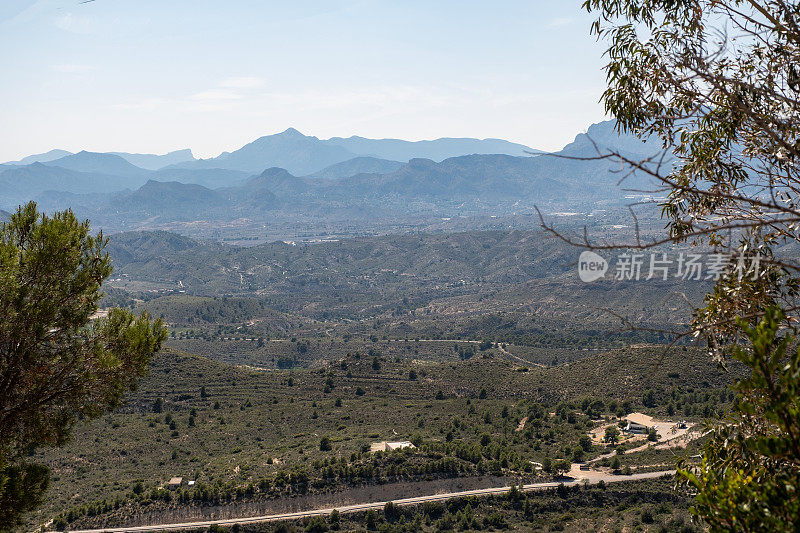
(96, 162)
(287, 135)
(420, 163)
(155, 162)
(86, 154)
(41, 158)
(276, 172)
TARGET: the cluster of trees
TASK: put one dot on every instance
(554, 510)
(717, 83)
(58, 365)
(464, 351)
(435, 458)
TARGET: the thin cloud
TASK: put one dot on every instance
(215, 94)
(226, 93)
(559, 22)
(241, 83)
(69, 68)
(75, 24)
(146, 104)
(363, 100)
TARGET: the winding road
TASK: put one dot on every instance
(590, 477)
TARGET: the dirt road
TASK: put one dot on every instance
(589, 477)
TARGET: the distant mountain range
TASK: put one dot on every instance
(436, 150)
(41, 158)
(603, 137)
(289, 176)
(97, 163)
(291, 150)
(155, 162)
(358, 165)
(29, 182)
(303, 155)
(145, 161)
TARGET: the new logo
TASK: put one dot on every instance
(591, 266)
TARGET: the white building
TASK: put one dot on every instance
(638, 423)
(391, 446)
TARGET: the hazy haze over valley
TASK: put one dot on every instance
(366, 266)
(279, 180)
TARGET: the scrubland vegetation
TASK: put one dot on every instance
(251, 437)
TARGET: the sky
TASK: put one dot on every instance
(153, 76)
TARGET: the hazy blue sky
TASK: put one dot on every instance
(211, 75)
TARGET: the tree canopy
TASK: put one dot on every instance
(717, 82)
(59, 361)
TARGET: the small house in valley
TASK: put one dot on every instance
(638, 423)
(385, 446)
(391, 446)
